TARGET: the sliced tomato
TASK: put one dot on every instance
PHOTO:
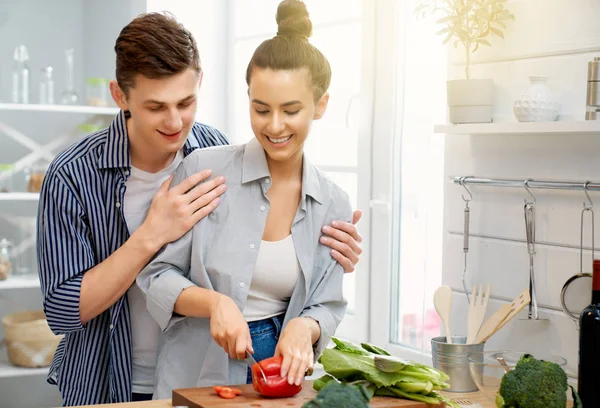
(227, 393)
(218, 389)
(236, 391)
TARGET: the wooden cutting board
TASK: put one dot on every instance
(207, 398)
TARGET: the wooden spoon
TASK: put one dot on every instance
(442, 301)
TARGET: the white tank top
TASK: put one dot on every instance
(275, 275)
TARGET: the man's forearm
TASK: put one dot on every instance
(105, 283)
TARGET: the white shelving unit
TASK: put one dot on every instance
(20, 282)
(7, 370)
(27, 202)
(19, 196)
(584, 127)
(91, 110)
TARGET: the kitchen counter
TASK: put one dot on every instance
(485, 401)
(472, 397)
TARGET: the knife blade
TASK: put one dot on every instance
(251, 361)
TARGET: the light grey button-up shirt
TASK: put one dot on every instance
(220, 253)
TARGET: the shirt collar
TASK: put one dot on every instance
(255, 167)
(116, 148)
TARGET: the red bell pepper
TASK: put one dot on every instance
(276, 386)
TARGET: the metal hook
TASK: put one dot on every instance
(587, 206)
(526, 185)
(462, 183)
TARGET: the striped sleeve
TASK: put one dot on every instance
(64, 253)
(210, 136)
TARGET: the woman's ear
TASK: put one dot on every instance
(321, 106)
(118, 95)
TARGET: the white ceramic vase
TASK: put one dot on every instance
(537, 103)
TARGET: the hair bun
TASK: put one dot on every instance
(292, 19)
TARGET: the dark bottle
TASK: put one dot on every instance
(589, 346)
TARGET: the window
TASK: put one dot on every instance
(411, 250)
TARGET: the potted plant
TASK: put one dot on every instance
(468, 22)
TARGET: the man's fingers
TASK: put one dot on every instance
(348, 228)
(202, 200)
(356, 216)
(191, 181)
(207, 190)
(204, 211)
(164, 187)
(341, 239)
(342, 260)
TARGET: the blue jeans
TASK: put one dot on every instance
(265, 334)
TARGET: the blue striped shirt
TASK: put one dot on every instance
(80, 224)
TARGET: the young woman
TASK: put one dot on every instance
(252, 276)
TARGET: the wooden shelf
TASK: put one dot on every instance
(91, 110)
(20, 282)
(19, 196)
(522, 128)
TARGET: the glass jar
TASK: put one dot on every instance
(46, 87)
(97, 91)
(5, 258)
(34, 176)
(6, 177)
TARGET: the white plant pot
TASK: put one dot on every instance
(470, 100)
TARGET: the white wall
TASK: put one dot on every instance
(552, 38)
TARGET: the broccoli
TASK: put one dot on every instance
(533, 384)
(340, 395)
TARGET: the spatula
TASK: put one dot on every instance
(489, 326)
(509, 311)
(442, 301)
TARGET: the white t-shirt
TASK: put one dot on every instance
(275, 275)
(141, 187)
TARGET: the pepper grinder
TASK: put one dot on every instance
(592, 111)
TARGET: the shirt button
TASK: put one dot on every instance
(262, 208)
(111, 326)
(118, 205)
(251, 246)
(242, 284)
(267, 181)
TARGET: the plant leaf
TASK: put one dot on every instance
(448, 37)
(443, 31)
(484, 42)
(475, 48)
(446, 19)
(500, 23)
(497, 32)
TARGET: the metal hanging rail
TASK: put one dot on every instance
(530, 183)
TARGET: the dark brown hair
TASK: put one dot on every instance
(154, 45)
(290, 48)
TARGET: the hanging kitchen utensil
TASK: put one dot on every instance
(466, 218)
(529, 212)
(576, 292)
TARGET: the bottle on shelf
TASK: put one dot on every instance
(589, 345)
(46, 87)
(20, 80)
(69, 96)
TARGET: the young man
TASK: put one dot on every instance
(106, 209)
